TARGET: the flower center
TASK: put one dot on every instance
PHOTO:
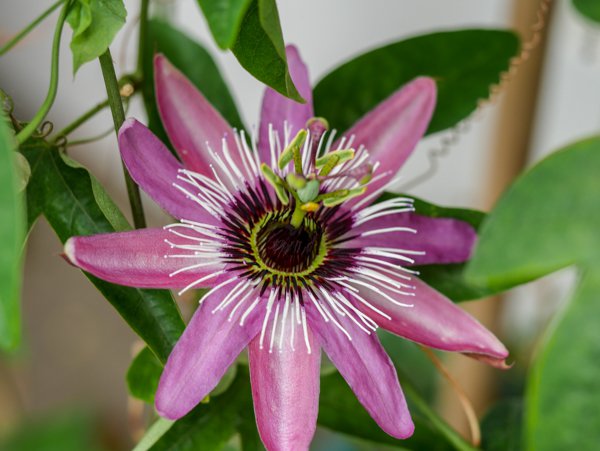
(288, 249)
(283, 249)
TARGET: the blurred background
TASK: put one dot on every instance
(77, 349)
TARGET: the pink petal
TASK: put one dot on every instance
(434, 321)
(191, 122)
(276, 109)
(444, 240)
(208, 346)
(285, 390)
(135, 258)
(391, 130)
(368, 370)
(155, 169)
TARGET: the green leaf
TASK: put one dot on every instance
(589, 8)
(501, 428)
(195, 62)
(547, 220)
(143, 376)
(464, 64)
(448, 279)
(563, 391)
(63, 191)
(11, 240)
(260, 49)
(210, 426)
(95, 24)
(224, 19)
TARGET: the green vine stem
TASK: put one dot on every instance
(25, 31)
(142, 38)
(118, 114)
(31, 127)
(81, 120)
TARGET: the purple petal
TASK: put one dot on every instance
(433, 321)
(209, 345)
(285, 390)
(391, 130)
(135, 258)
(191, 122)
(444, 240)
(155, 169)
(276, 109)
(368, 370)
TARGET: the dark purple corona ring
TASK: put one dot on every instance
(299, 257)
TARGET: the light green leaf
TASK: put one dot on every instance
(95, 24)
(589, 8)
(224, 19)
(11, 240)
(464, 64)
(260, 49)
(547, 220)
(64, 194)
(195, 62)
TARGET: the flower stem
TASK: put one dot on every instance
(31, 127)
(25, 31)
(118, 114)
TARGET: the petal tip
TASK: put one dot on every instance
(129, 123)
(69, 251)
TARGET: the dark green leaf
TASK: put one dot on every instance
(11, 240)
(448, 279)
(64, 193)
(210, 426)
(224, 19)
(195, 62)
(95, 24)
(260, 49)
(501, 428)
(464, 64)
(143, 375)
(563, 391)
(339, 410)
(547, 220)
(589, 8)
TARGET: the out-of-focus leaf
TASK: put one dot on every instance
(95, 24)
(210, 425)
(224, 19)
(63, 192)
(547, 220)
(448, 279)
(11, 241)
(143, 376)
(589, 8)
(195, 62)
(464, 64)
(59, 432)
(501, 428)
(260, 49)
